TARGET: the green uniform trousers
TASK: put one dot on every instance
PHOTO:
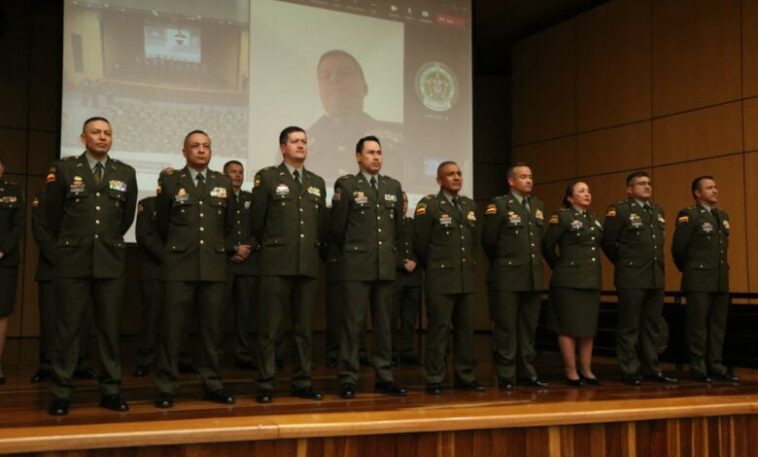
(47, 320)
(706, 326)
(406, 304)
(76, 294)
(444, 311)
(203, 302)
(514, 316)
(240, 297)
(639, 311)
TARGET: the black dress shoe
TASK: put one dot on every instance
(141, 371)
(700, 377)
(220, 396)
(390, 388)
(164, 400)
(662, 378)
(187, 368)
(279, 363)
(474, 386)
(505, 384)
(308, 393)
(534, 382)
(590, 381)
(85, 373)
(264, 396)
(433, 388)
(40, 376)
(114, 403)
(575, 382)
(631, 380)
(244, 364)
(729, 377)
(347, 391)
(58, 407)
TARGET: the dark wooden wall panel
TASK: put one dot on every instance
(613, 74)
(622, 148)
(751, 217)
(696, 54)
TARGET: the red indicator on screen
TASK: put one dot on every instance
(451, 21)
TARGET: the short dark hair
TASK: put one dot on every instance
(511, 172)
(285, 134)
(359, 145)
(345, 54)
(232, 162)
(696, 182)
(637, 174)
(187, 136)
(93, 119)
(444, 164)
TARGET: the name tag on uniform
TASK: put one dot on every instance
(218, 192)
(314, 191)
(446, 220)
(181, 195)
(282, 190)
(390, 197)
(360, 198)
(115, 184)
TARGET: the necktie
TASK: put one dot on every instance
(98, 173)
(457, 205)
(200, 184)
(374, 186)
(527, 206)
(296, 176)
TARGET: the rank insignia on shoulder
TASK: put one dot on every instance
(554, 219)
(140, 208)
(257, 181)
(491, 209)
(35, 202)
(611, 212)
(682, 219)
(421, 209)
(51, 177)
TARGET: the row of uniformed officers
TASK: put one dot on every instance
(208, 242)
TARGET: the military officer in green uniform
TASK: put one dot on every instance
(240, 283)
(365, 222)
(406, 299)
(46, 298)
(576, 280)
(195, 212)
(12, 221)
(633, 241)
(511, 235)
(446, 239)
(700, 245)
(91, 202)
(289, 218)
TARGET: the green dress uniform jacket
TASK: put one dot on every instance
(446, 240)
(700, 247)
(633, 241)
(290, 225)
(243, 234)
(576, 265)
(196, 228)
(511, 238)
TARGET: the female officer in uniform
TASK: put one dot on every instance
(576, 281)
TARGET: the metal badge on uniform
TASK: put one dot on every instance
(661, 219)
(707, 227)
(360, 198)
(576, 225)
(635, 220)
(599, 225)
(471, 216)
(314, 191)
(514, 218)
(181, 195)
(9, 199)
(77, 186)
(726, 224)
(446, 220)
(282, 190)
(115, 184)
(218, 192)
(538, 214)
(390, 197)
(247, 205)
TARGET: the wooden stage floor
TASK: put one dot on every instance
(25, 425)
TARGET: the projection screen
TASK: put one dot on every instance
(242, 70)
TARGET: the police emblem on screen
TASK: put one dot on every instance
(436, 86)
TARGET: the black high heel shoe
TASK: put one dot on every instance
(575, 382)
(590, 381)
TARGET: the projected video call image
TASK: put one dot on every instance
(244, 69)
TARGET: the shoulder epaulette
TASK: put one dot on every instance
(347, 176)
